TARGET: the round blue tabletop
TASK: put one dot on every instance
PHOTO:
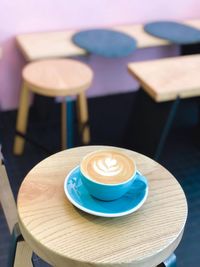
(174, 32)
(107, 43)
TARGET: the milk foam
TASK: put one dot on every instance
(107, 166)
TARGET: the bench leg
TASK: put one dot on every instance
(22, 117)
(166, 128)
(83, 118)
(169, 262)
(151, 122)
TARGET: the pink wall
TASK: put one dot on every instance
(22, 16)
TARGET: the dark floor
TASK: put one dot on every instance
(109, 119)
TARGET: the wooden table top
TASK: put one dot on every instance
(169, 78)
(58, 43)
(65, 236)
(57, 77)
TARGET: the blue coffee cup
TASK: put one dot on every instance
(106, 191)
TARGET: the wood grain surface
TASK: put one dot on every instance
(143, 39)
(23, 256)
(42, 45)
(57, 77)
(194, 23)
(65, 236)
(166, 79)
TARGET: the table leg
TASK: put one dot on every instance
(63, 124)
(169, 262)
(22, 117)
(83, 118)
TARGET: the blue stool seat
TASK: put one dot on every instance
(107, 43)
(174, 32)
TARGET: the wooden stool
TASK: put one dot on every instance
(20, 253)
(53, 78)
(166, 81)
(65, 236)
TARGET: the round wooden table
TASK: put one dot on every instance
(64, 236)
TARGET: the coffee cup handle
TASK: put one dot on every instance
(142, 177)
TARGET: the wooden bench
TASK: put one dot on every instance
(166, 80)
(58, 43)
(169, 78)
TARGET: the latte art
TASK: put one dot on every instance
(109, 166)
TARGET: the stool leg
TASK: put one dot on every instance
(22, 117)
(23, 255)
(83, 118)
(16, 236)
(70, 123)
(20, 254)
(63, 124)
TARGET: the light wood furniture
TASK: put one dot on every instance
(145, 40)
(59, 77)
(42, 45)
(23, 255)
(22, 252)
(65, 236)
(167, 79)
(6, 197)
